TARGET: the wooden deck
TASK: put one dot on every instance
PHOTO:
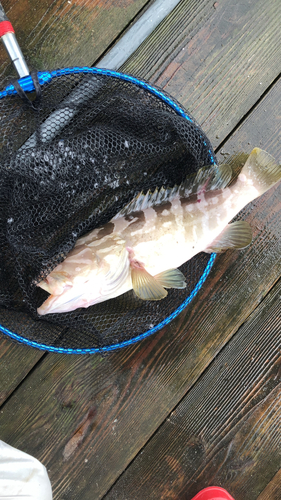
(198, 403)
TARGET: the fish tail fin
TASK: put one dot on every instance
(262, 169)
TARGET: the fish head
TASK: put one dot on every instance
(108, 277)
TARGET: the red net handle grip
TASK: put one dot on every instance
(12, 45)
(6, 27)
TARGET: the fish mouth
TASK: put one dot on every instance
(50, 306)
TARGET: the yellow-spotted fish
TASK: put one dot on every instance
(145, 243)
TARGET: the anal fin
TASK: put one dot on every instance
(235, 235)
(145, 286)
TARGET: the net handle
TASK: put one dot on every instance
(8, 37)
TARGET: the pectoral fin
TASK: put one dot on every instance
(145, 286)
(149, 287)
(172, 278)
(235, 235)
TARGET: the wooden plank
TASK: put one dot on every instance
(226, 431)
(61, 33)
(216, 58)
(157, 52)
(17, 360)
(15, 363)
(87, 418)
(272, 490)
(263, 134)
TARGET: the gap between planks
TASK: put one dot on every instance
(247, 114)
(251, 316)
(17, 387)
(249, 399)
(273, 489)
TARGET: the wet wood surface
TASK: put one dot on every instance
(218, 57)
(60, 33)
(226, 431)
(17, 360)
(186, 22)
(90, 418)
(272, 490)
(14, 366)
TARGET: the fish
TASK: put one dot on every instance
(143, 246)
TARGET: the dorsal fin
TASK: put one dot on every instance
(205, 179)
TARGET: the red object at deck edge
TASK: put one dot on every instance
(213, 493)
(6, 27)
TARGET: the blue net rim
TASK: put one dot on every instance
(45, 77)
(119, 345)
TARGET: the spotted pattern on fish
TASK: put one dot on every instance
(159, 230)
(137, 221)
(106, 230)
(190, 200)
(110, 241)
(182, 219)
(165, 207)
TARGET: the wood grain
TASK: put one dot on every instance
(157, 52)
(273, 489)
(17, 360)
(216, 58)
(15, 363)
(226, 431)
(87, 418)
(264, 133)
(59, 33)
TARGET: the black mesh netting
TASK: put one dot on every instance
(69, 162)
